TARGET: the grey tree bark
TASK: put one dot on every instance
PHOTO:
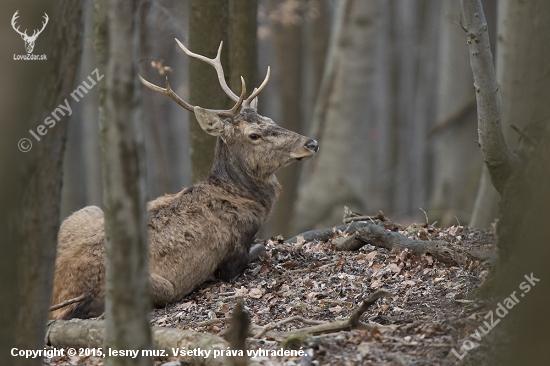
(317, 33)
(516, 72)
(43, 177)
(338, 120)
(497, 156)
(127, 302)
(457, 160)
(522, 240)
(208, 26)
(286, 23)
(243, 44)
(23, 104)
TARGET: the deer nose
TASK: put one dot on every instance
(312, 145)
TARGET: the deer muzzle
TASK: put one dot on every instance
(310, 147)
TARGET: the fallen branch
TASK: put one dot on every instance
(362, 233)
(208, 322)
(268, 327)
(380, 237)
(325, 327)
(78, 333)
(67, 302)
(324, 234)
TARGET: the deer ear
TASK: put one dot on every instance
(210, 122)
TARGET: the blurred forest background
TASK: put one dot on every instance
(384, 86)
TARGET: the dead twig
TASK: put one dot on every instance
(207, 322)
(67, 302)
(349, 323)
(522, 134)
(284, 321)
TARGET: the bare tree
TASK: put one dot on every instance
(497, 156)
(36, 255)
(286, 23)
(521, 179)
(338, 121)
(243, 43)
(19, 87)
(457, 162)
(208, 26)
(127, 301)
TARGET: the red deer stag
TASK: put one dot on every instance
(205, 230)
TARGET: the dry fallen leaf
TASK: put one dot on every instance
(255, 293)
(336, 309)
(371, 255)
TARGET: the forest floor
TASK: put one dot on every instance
(430, 313)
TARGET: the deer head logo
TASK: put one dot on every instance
(29, 40)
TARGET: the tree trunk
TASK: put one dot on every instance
(19, 87)
(243, 44)
(207, 27)
(317, 32)
(330, 179)
(44, 176)
(497, 156)
(286, 29)
(522, 234)
(457, 160)
(486, 205)
(127, 300)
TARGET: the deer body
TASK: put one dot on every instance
(203, 231)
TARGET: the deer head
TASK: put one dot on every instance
(250, 147)
(29, 40)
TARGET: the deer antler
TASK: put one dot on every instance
(216, 63)
(13, 19)
(168, 91)
(251, 101)
(44, 23)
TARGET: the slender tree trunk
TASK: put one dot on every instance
(497, 156)
(458, 162)
(286, 28)
(207, 27)
(44, 177)
(330, 179)
(127, 302)
(485, 209)
(317, 32)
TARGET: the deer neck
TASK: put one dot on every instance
(228, 174)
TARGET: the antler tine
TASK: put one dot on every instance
(168, 91)
(248, 102)
(233, 111)
(44, 23)
(13, 19)
(216, 63)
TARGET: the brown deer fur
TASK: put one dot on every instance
(203, 231)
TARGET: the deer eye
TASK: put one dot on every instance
(254, 136)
